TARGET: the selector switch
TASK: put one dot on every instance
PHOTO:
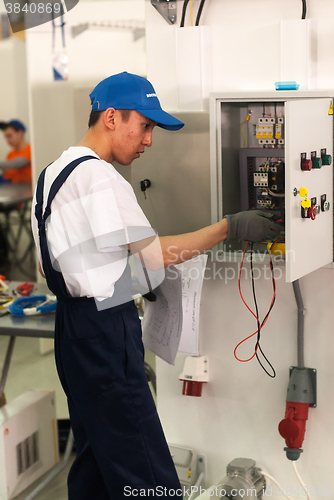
(324, 204)
(304, 213)
(307, 209)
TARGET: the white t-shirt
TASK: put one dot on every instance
(94, 215)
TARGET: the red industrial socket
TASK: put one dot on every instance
(292, 427)
(192, 388)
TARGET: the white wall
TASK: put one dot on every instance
(241, 407)
(13, 85)
(92, 56)
(245, 44)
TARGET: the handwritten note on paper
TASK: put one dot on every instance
(192, 281)
(162, 322)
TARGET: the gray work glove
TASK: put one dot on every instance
(252, 225)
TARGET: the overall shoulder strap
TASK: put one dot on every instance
(39, 196)
(61, 178)
(56, 185)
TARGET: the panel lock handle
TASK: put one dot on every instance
(145, 184)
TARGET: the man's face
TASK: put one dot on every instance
(13, 137)
(131, 137)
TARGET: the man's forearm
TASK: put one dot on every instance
(18, 162)
(176, 249)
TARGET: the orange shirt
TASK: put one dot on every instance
(22, 174)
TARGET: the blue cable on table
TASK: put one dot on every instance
(35, 304)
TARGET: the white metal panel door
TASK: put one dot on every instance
(309, 243)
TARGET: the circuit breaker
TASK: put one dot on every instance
(273, 152)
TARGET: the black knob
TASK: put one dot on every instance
(145, 184)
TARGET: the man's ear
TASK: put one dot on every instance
(109, 118)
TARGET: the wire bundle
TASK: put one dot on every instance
(184, 10)
(256, 313)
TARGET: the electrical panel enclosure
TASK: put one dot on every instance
(309, 128)
(273, 152)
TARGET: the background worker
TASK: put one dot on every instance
(83, 248)
(17, 166)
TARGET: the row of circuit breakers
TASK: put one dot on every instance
(270, 130)
(266, 175)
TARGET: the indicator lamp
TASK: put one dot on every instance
(326, 159)
(316, 161)
(306, 164)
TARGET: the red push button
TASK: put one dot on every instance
(312, 212)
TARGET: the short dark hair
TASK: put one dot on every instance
(95, 116)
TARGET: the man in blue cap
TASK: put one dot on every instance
(86, 220)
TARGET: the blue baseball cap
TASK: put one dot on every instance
(13, 123)
(128, 91)
(17, 124)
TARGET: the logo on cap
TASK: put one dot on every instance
(151, 95)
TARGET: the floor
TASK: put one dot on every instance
(32, 370)
(56, 490)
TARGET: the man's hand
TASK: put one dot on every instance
(252, 225)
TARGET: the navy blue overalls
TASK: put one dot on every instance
(120, 444)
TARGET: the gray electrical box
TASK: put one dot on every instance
(258, 146)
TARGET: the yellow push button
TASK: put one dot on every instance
(278, 248)
(306, 203)
(303, 192)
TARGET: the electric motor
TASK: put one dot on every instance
(243, 480)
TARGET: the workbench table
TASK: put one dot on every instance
(16, 198)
